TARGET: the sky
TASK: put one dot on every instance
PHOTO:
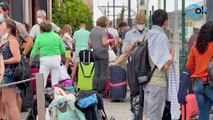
(169, 4)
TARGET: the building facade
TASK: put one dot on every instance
(25, 10)
(90, 4)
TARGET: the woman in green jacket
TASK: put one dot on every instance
(50, 47)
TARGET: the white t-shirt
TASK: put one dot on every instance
(113, 31)
(69, 40)
(35, 31)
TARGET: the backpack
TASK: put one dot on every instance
(22, 72)
(62, 107)
(91, 104)
(140, 57)
(185, 86)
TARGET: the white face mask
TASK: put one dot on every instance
(4, 36)
(39, 20)
(2, 18)
(140, 26)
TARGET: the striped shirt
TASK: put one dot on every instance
(132, 36)
(173, 87)
(159, 53)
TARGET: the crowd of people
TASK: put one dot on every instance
(46, 45)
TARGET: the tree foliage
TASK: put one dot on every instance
(72, 12)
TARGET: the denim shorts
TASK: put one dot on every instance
(7, 80)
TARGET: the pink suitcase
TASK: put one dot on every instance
(190, 108)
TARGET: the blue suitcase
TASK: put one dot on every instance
(118, 86)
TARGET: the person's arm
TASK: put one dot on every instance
(119, 60)
(61, 46)
(104, 39)
(35, 50)
(169, 62)
(14, 48)
(1, 68)
(25, 36)
(126, 43)
(33, 33)
(190, 64)
(90, 43)
(113, 44)
(56, 28)
(131, 47)
(29, 45)
(64, 38)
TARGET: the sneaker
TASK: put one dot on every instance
(132, 117)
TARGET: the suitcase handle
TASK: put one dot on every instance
(84, 57)
(84, 72)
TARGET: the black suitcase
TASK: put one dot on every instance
(86, 56)
(117, 83)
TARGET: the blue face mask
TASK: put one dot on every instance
(2, 18)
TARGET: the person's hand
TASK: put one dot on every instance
(112, 64)
(111, 40)
(136, 43)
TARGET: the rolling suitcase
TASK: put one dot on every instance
(190, 108)
(34, 72)
(117, 83)
(86, 70)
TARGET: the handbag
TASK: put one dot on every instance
(63, 75)
(22, 72)
(112, 55)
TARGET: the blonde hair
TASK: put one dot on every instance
(67, 29)
(102, 21)
(141, 15)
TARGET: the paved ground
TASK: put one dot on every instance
(120, 111)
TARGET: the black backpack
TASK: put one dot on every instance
(22, 72)
(140, 57)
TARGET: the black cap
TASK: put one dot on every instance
(4, 6)
(122, 24)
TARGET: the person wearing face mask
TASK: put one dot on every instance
(132, 37)
(41, 16)
(22, 35)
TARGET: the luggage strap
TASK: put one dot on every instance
(84, 72)
(117, 84)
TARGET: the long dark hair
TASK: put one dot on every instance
(12, 25)
(205, 36)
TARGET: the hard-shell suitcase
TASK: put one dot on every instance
(118, 83)
(190, 108)
(34, 72)
(86, 70)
